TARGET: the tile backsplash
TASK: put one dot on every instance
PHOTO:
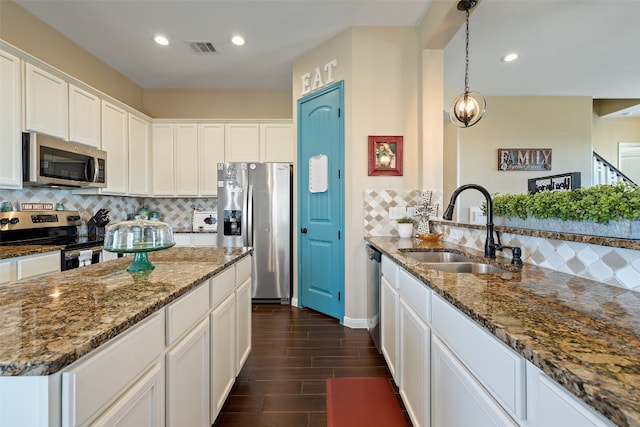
(177, 212)
(377, 204)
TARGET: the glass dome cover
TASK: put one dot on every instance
(138, 236)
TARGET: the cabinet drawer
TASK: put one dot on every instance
(5, 272)
(499, 369)
(415, 294)
(390, 271)
(243, 270)
(222, 285)
(185, 312)
(204, 239)
(38, 264)
(100, 378)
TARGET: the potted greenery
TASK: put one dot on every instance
(405, 226)
(602, 210)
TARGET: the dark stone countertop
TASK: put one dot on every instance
(582, 333)
(51, 321)
(7, 252)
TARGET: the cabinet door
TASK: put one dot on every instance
(141, 405)
(10, 122)
(242, 142)
(389, 302)
(243, 323)
(413, 363)
(115, 141)
(210, 153)
(223, 361)
(276, 142)
(187, 384)
(46, 103)
(139, 156)
(185, 152)
(457, 399)
(38, 265)
(162, 159)
(549, 405)
(84, 117)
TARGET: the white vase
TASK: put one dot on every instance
(405, 230)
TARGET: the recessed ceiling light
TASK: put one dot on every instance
(510, 57)
(237, 40)
(161, 40)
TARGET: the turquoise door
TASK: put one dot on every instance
(321, 201)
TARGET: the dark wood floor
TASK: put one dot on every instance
(294, 352)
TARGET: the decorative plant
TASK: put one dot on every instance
(405, 220)
(600, 203)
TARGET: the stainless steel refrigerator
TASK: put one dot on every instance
(254, 209)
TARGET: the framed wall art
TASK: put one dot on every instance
(385, 155)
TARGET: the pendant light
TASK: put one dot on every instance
(468, 108)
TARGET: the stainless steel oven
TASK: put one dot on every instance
(74, 258)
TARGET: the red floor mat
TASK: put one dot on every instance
(362, 402)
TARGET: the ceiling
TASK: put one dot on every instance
(566, 47)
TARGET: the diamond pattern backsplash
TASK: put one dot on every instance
(377, 204)
(615, 266)
(177, 212)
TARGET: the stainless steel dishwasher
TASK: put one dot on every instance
(374, 258)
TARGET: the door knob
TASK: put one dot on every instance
(303, 230)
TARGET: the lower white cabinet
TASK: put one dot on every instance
(25, 267)
(223, 360)
(457, 398)
(187, 375)
(196, 239)
(550, 405)
(389, 334)
(243, 323)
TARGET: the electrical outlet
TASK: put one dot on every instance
(397, 212)
(411, 211)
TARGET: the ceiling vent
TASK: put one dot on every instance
(201, 46)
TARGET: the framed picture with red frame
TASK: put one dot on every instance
(385, 155)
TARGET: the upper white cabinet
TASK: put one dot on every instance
(84, 117)
(185, 151)
(46, 102)
(210, 153)
(139, 156)
(276, 142)
(162, 159)
(10, 121)
(115, 142)
(259, 142)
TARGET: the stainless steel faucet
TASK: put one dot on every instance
(490, 247)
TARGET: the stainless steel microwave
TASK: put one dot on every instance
(49, 161)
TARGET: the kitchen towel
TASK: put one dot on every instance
(84, 258)
(362, 402)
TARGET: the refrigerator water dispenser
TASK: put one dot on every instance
(232, 222)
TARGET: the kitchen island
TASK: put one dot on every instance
(582, 334)
(51, 324)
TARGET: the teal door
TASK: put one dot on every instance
(321, 201)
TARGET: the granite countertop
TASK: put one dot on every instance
(51, 321)
(192, 231)
(582, 333)
(23, 250)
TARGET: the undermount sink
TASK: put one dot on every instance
(465, 267)
(438, 256)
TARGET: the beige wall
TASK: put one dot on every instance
(608, 132)
(26, 32)
(379, 67)
(560, 123)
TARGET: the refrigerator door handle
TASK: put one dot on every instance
(248, 232)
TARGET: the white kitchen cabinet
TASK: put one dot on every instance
(29, 266)
(457, 398)
(276, 142)
(243, 312)
(115, 141)
(187, 379)
(196, 240)
(223, 360)
(139, 156)
(46, 102)
(141, 405)
(84, 117)
(210, 153)
(550, 405)
(242, 142)
(162, 167)
(10, 121)
(389, 333)
(414, 348)
(186, 159)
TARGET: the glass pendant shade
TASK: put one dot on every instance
(467, 109)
